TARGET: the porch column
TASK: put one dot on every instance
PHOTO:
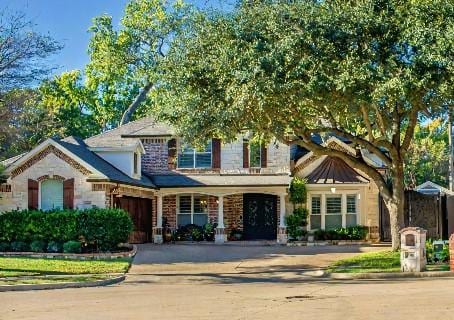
(157, 232)
(282, 229)
(220, 236)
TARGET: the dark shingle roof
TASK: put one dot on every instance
(334, 170)
(124, 135)
(218, 180)
(78, 147)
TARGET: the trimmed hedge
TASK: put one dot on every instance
(102, 229)
(349, 233)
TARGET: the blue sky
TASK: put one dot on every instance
(68, 21)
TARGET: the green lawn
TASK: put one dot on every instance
(14, 267)
(382, 261)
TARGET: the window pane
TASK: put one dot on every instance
(316, 221)
(333, 221)
(200, 204)
(203, 160)
(333, 205)
(200, 219)
(254, 155)
(316, 205)
(51, 194)
(351, 220)
(186, 160)
(351, 204)
(185, 204)
(183, 219)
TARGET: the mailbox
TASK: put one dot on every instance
(412, 249)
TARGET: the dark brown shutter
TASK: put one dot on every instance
(68, 194)
(172, 153)
(33, 194)
(245, 155)
(216, 146)
(264, 156)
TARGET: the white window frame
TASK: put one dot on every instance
(194, 155)
(323, 194)
(192, 213)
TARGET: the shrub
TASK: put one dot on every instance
(72, 247)
(102, 228)
(298, 190)
(54, 247)
(5, 246)
(19, 246)
(349, 233)
(295, 223)
(38, 246)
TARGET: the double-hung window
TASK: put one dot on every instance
(333, 217)
(192, 209)
(190, 158)
(351, 216)
(316, 212)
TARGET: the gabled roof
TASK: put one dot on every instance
(333, 171)
(127, 134)
(430, 187)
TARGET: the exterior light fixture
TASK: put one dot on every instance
(333, 190)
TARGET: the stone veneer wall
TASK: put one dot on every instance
(233, 212)
(51, 164)
(373, 211)
(169, 210)
(155, 159)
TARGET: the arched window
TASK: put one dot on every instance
(51, 194)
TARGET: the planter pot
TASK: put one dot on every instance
(310, 238)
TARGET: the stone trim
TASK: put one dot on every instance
(42, 154)
(48, 177)
(5, 188)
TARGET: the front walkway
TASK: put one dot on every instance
(234, 264)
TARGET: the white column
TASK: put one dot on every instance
(159, 211)
(221, 212)
(282, 211)
(157, 232)
(323, 212)
(220, 236)
(344, 209)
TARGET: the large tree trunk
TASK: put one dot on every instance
(135, 104)
(395, 205)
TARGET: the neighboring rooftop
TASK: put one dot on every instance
(121, 136)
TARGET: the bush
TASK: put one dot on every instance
(38, 246)
(19, 246)
(298, 190)
(295, 223)
(54, 247)
(349, 233)
(5, 246)
(102, 228)
(72, 247)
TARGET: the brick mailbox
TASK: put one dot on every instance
(413, 249)
(451, 252)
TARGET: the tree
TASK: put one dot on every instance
(23, 52)
(125, 64)
(362, 70)
(70, 106)
(428, 155)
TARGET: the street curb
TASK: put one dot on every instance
(390, 275)
(50, 286)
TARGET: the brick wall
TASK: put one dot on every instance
(233, 212)
(169, 210)
(155, 159)
(212, 209)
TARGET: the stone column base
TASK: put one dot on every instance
(282, 235)
(220, 236)
(157, 235)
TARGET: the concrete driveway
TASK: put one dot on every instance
(179, 263)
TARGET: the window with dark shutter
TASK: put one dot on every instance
(245, 154)
(216, 149)
(68, 194)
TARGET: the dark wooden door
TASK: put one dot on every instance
(259, 216)
(140, 211)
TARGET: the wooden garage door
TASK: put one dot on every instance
(140, 211)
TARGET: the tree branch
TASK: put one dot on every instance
(136, 103)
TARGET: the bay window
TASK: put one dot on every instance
(190, 158)
(332, 211)
(192, 209)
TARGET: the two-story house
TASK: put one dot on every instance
(145, 169)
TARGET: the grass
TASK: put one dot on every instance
(382, 261)
(22, 266)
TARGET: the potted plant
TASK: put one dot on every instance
(236, 234)
(209, 231)
(166, 231)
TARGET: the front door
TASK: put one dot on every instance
(259, 216)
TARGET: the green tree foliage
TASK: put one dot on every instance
(363, 70)
(428, 156)
(125, 64)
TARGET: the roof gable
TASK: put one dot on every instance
(333, 171)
